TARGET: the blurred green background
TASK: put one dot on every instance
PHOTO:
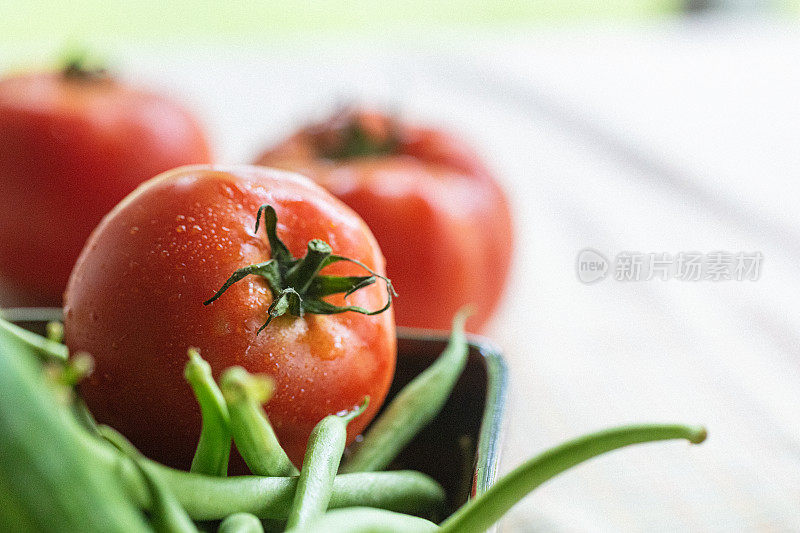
(37, 20)
(26, 19)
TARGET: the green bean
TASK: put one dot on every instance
(70, 372)
(48, 481)
(214, 498)
(271, 497)
(414, 406)
(55, 331)
(241, 523)
(367, 520)
(45, 349)
(214, 446)
(254, 437)
(323, 454)
(83, 416)
(118, 440)
(167, 515)
(64, 375)
(477, 515)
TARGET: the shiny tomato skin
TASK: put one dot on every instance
(70, 149)
(440, 217)
(135, 302)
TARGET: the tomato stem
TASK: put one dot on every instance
(79, 65)
(352, 134)
(296, 284)
(303, 273)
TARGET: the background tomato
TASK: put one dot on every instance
(135, 302)
(72, 145)
(442, 221)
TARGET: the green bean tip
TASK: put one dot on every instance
(352, 414)
(197, 367)
(238, 384)
(697, 434)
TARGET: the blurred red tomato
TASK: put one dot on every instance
(442, 221)
(72, 145)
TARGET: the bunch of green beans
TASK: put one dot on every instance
(95, 480)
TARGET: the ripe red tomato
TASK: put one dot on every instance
(135, 302)
(442, 221)
(72, 145)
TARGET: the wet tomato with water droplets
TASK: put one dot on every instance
(135, 302)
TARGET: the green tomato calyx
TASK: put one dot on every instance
(296, 283)
(79, 64)
(353, 134)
